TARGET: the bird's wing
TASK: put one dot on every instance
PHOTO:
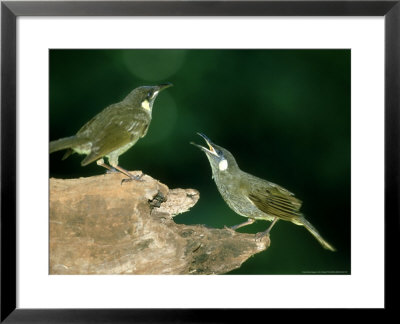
(117, 131)
(94, 125)
(274, 200)
(145, 129)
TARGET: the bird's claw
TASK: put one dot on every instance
(260, 235)
(136, 178)
(231, 229)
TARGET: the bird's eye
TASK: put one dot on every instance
(150, 94)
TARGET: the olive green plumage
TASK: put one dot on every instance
(253, 197)
(114, 130)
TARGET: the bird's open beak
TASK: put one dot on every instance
(211, 149)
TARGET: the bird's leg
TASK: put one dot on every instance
(131, 176)
(113, 161)
(262, 234)
(248, 222)
(109, 168)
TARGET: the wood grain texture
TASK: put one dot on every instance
(100, 226)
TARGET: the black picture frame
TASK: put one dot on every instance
(10, 10)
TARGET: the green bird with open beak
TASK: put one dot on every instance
(253, 197)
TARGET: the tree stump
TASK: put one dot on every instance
(100, 226)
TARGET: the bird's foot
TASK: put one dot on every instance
(231, 229)
(260, 235)
(133, 177)
(234, 227)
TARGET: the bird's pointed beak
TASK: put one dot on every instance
(211, 149)
(159, 88)
(164, 86)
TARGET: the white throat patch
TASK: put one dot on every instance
(146, 104)
(154, 94)
(223, 165)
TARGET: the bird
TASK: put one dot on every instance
(114, 130)
(253, 197)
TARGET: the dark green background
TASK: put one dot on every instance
(284, 114)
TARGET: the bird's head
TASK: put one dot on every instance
(221, 160)
(144, 96)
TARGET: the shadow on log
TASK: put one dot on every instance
(98, 226)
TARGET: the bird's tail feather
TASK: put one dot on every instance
(65, 143)
(316, 234)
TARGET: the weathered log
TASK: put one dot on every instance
(100, 226)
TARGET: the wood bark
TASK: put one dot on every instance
(100, 226)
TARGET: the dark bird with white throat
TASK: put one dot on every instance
(114, 130)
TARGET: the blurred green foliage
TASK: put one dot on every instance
(284, 114)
